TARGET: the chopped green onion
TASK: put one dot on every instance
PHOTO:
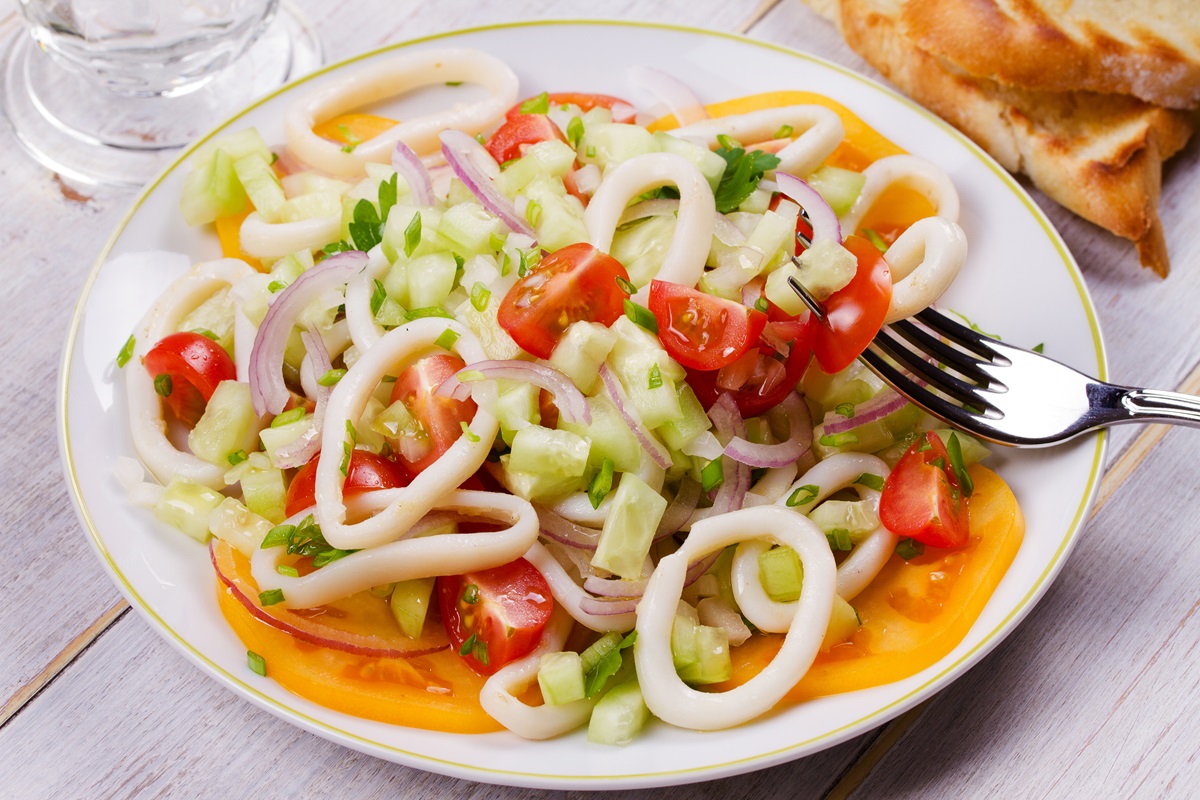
(480, 651)
(378, 295)
(412, 235)
(331, 377)
(1040, 347)
(762, 305)
(536, 105)
(972, 325)
(271, 597)
(575, 131)
(162, 384)
(257, 663)
(803, 495)
(480, 295)
(784, 132)
(601, 483)
(839, 539)
(388, 379)
(871, 481)
(727, 143)
(954, 450)
(655, 377)
(470, 594)
(533, 212)
(348, 448)
(875, 239)
(428, 311)
(332, 554)
(590, 152)
(713, 474)
(924, 445)
(454, 83)
(471, 435)
(626, 286)
(276, 286)
(291, 572)
(126, 351)
(236, 458)
(467, 645)
(480, 138)
(908, 549)
(641, 316)
(839, 439)
(336, 247)
(278, 536)
(938, 462)
(447, 339)
(205, 332)
(845, 409)
(287, 417)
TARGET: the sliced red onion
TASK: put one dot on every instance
(566, 532)
(727, 420)
(607, 608)
(267, 388)
(778, 455)
(410, 167)
(615, 587)
(570, 401)
(679, 99)
(465, 156)
(882, 404)
(680, 509)
(302, 449)
(697, 569)
(616, 393)
(824, 221)
(623, 112)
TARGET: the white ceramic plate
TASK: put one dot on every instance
(1019, 281)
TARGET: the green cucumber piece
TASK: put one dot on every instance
(582, 349)
(843, 622)
(228, 424)
(692, 422)
(840, 187)
(611, 143)
(610, 437)
(261, 184)
(641, 246)
(711, 165)
(186, 506)
(558, 220)
(781, 573)
(212, 190)
(469, 229)
(410, 605)
(551, 158)
(553, 454)
(560, 676)
(853, 516)
(619, 716)
(629, 528)
(430, 279)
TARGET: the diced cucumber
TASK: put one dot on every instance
(692, 421)
(610, 437)
(843, 623)
(855, 384)
(633, 339)
(235, 145)
(399, 218)
(604, 144)
(538, 486)
(580, 352)
(641, 246)
(551, 453)
(619, 716)
(264, 492)
(558, 219)
(629, 528)
(316, 205)
(840, 187)
(302, 183)
(228, 424)
(285, 271)
(430, 279)
(459, 193)
(560, 676)
(233, 523)
(825, 268)
(781, 573)
(517, 408)
(868, 438)
(598, 649)
(469, 229)
(214, 315)
(757, 203)
(410, 604)
(550, 157)
(711, 165)
(260, 183)
(212, 190)
(853, 516)
(650, 391)
(186, 506)
(495, 340)
(274, 438)
(700, 652)
(775, 233)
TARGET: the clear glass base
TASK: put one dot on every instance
(93, 136)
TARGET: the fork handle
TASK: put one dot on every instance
(1126, 404)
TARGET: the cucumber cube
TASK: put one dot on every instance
(228, 424)
(619, 716)
(629, 528)
(410, 605)
(560, 676)
(781, 573)
(551, 453)
(609, 435)
(430, 279)
(581, 351)
(186, 506)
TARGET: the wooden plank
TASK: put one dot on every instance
(181, 733)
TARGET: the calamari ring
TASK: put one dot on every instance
(568, 593)
(911, 172)
(924, 261)
(820, 132)
(364, 330)
(263, 239)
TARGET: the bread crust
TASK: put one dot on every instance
(1146, 48)
(1099, 155)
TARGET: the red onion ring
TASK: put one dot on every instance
(564, 531)
(570, 401)
(697, 569)
(410, 167)
(616, 588)
(679, 99)
(616, 393)
(300, 451)
(267, 389)
(465, 155)
(778, 455)
(879, 406)
(824, 221)
(727, 420)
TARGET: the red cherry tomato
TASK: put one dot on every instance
(440, 417)
(495, 616)
(922, 498)
(194, 365)
(575, 283)
(766, 387)
(367, 472)
(701, 331)
(622, 110)
(854, 314)
(510, 139)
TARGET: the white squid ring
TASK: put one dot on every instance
(389, 77)
(692, 238)
(820, 132)
(146, 422)
(347, 403)
(263, 239)
(924, 261)
(908, 171)
(364, 330)
(668, 697)
(568, 593)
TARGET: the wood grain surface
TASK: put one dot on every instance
(1095, 695)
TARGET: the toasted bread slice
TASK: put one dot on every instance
(1147, 48)
(1099, 155)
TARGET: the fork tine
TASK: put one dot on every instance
(955, 358)
(943, 381)
(960, 334)
(934, 404)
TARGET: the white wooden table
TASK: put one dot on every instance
(1094, 695)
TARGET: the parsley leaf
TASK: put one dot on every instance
(743, 171)
(387, 197)
(365, 229)
(606, 667)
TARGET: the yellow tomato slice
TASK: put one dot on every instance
(914, 612)
(229, 232)
(353, 129)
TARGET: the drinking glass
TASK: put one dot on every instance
(104, 91)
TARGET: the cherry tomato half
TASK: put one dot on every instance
(622, 110)
(440, 417)
(510, 139)
(575, 283)
(367, 472)
(495, 616)
(701, 331)
(922, 498)
(854, 314)
(193, 365)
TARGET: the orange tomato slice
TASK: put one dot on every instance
(353, 129)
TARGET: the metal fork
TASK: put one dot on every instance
(1002, 393)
